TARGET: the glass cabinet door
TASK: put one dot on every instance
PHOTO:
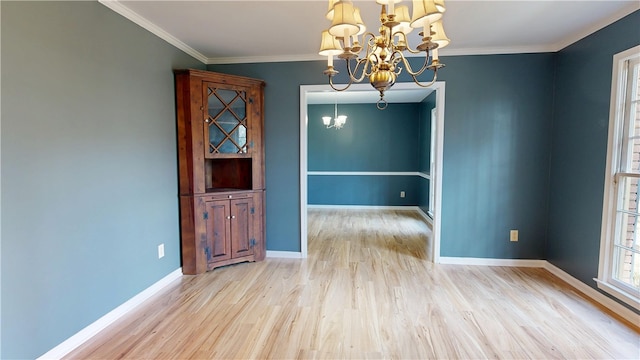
(225, 121)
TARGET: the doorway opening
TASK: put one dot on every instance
(436, 171)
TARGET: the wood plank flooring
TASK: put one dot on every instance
(366, 291)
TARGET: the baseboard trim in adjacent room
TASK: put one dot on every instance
(492, 262)
(284, 254)
(88, 332)
(363, 173)
(426, 217)
(594, 294)
(362, 207)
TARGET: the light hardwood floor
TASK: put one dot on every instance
(367, 290)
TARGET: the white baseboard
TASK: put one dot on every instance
(364, 173)
(88, 332)
(284, 254)
(362, 207)
(594, 294)
(426, 217)
(492, 262)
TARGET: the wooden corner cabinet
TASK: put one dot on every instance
(221, 169)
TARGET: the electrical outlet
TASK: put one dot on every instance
(160, 251)
(401, 194)
(513, 235)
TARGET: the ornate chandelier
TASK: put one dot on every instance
(383, 53)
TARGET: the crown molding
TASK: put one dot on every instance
(443, 52)
(131, 15)
(496, 50)
(627, 10)
(264, 59)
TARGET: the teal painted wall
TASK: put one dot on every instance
(496, 151)
(580, 134)
(363, 190)
(89, 168)
(496, 155)
(371, 140)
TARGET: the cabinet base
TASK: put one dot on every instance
(217, 264)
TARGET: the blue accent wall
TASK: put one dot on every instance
(363, 190)
(497, 133)
(371, 140)
(580, 134)
(89, 168)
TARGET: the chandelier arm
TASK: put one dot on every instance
(422, 69)
(368, 63)
(353, 72)
(406, 41)
(433, 81)
(413, 51)
(335, 88)
(372, 37)
(367, 59)
(396, 57)
(371, 59)
(370, 42)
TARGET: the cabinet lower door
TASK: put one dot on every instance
(218, 231)
(242, 227)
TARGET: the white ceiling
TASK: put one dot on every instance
(224, 31)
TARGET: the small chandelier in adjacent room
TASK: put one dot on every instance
(338, 120)
(380, 62)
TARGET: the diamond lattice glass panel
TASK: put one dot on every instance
(227, 120)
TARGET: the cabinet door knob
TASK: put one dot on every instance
(230, 196)
(233, 216)
(207, 120)
(228, 217)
